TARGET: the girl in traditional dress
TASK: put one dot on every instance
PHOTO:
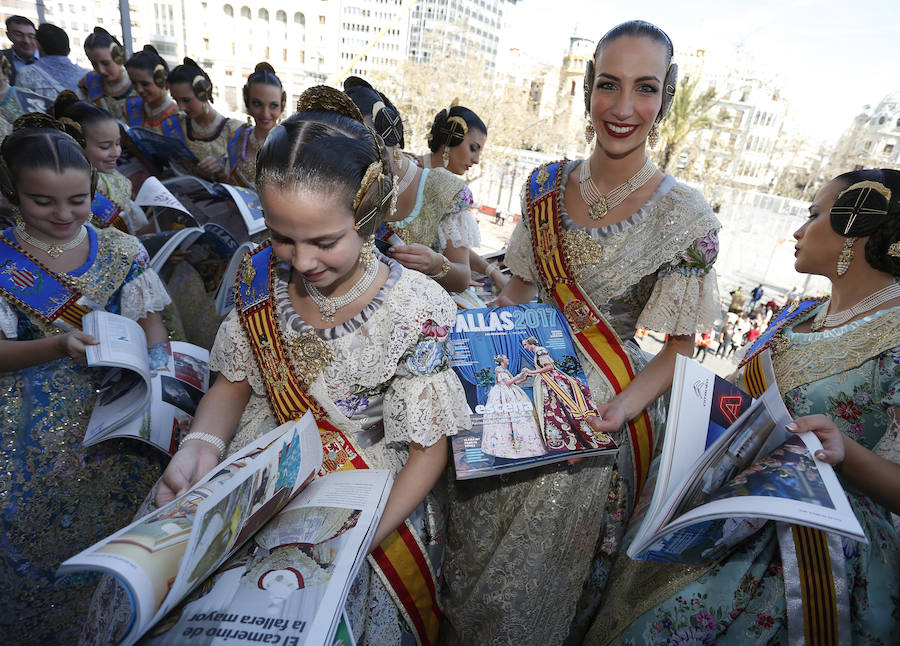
(836, 363)
(112, 205)
(58, 496)
(152, 108)
(367, 336)
(616, 245)
(264, 99)
(205, 132)
(108, 85)
(432, 217)
(509, 426)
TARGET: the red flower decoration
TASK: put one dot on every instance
(432, 329)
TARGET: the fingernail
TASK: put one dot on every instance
(820, 455)
(792, 427)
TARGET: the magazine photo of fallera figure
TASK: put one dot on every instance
(510, 423)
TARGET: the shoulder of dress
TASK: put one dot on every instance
(442, 183)
(124, 242)
(689, 201)
(426, 297)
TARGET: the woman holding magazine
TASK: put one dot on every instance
(357, 339)
(58, 496)
(616, 245)
(837, 364)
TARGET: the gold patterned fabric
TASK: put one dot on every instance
(440, 191)
(215, 145)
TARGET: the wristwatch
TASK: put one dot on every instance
(446, 266)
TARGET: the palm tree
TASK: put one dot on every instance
(689, 112)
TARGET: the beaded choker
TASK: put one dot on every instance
(329, 306)
(870, 302)
(51, 248)
(599, 204)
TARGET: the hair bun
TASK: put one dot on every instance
(151, 49)
(73, 129)
(328, 99)
(264, 66)
(64, 100)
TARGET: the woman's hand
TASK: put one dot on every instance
(193, 460)
(73, 345)
(833, 450)
(417, 256)
(611, 417)
(211, 168)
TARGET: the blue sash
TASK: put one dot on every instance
(94, 88)
(782, 318)
(36, 290)
(107, 212)
(234, 148)
(172, 128)
(134, 111)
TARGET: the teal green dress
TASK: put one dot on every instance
(851, 374)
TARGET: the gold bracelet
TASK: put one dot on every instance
(446, 266)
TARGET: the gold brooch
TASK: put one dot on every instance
(248, 273)
(311, 355)
(894, 250)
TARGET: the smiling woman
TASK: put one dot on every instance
(108, 85)
(152, 108)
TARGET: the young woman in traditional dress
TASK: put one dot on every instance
(616, 245)
(58, 496)
(152, 108)
(264, 99)
(108, 85)
(836, 363)
(112, 205)
(432, 217)
(203, 130)
(361, 342)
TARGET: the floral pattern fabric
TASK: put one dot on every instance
(741, 599)
(59, 497)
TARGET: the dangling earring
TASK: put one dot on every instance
(846, 255)
(589, 132)
(367, 252)
(653, 136)
(20, 221)
(446, 156)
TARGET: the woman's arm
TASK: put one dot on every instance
(516, 292)
(15, 354)
(154, 328)
(424, 259)
(412, 484)
(650, 383)
(218, 414)
(489, 269)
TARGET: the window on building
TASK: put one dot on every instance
(888, 148)
(263, 15)
(245, 12)
(229, 11)
(281, 16)
(299, 19)
(206, 44)
(572, 89)
(321, 20)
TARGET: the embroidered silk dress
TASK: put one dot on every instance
(214, 144)
(58, 496)
(137, 112)
(524, 548)
(510, 428)
(852, 375)
(389, 384)
(111, 99)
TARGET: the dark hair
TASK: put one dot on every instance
(102, 39)
(871, 198)
(18, 20)
(636, 28)
(265, 74)
(386, 119)
(192, 74)
(83, 113)
(148, 60)
(328, 151)
(54, 41)
(32, 148)
(445, 131)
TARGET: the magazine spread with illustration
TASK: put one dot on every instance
(728, 465)
(526, 390)
(151, 398)
(236, 208)
(286, 585)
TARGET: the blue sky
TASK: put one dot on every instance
(830, 58)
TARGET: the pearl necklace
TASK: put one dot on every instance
(598, 203)
(51, 248)
(870, 302)
(329, 306)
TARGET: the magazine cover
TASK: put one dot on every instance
(526, 390)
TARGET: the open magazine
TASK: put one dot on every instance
(236, 208)
(150, 398)
(718, 484)
(526, 391)
(260, 550)
(146, 151)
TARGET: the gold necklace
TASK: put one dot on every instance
(51, 248)
(599, 204)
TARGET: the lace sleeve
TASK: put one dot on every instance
(232, 357)
(144, 294)
(685, 298)
(458, 226)
(423, 408)
(134, 217)
(9, 322)
(888, 446)
(520, 254)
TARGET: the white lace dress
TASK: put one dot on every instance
(390, 384)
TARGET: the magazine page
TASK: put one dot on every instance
(151, 557)
(180, 379)
(209, 202)
(153, 193)
(172, 241)
(526, 391)
(225, 291)
(754, 472)
(125, 388)
(248, 204)
(161, 149)
(289, 582)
